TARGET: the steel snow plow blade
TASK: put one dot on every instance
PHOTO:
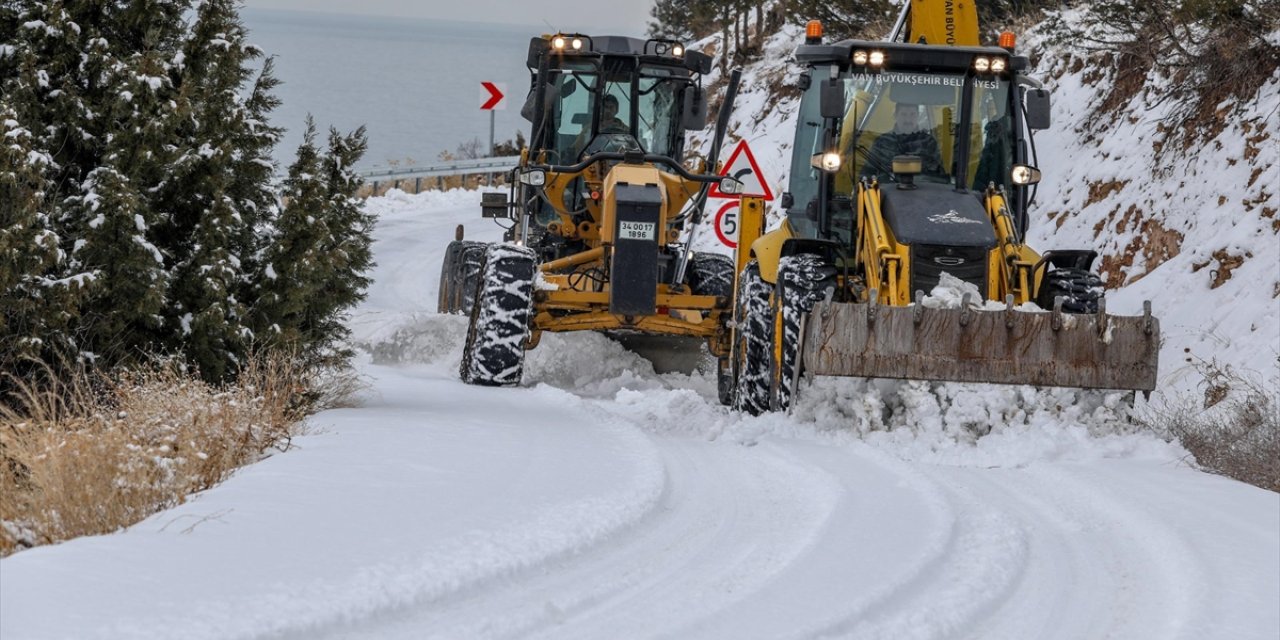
(1053, 349)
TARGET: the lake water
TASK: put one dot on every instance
(414, 83)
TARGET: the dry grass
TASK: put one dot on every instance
(415, 185)
(86, 455)
(1233, 430)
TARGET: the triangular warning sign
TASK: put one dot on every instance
(742, 165)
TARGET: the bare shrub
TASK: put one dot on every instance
(1211, 57)
(1233, 429)
(87, 454)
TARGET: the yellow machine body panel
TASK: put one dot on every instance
(949, 22)
(570, 299)
(767, 250)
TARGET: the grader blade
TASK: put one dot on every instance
(1004, 346)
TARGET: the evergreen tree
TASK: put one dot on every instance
(138, 206)
(220, 194)
(37, 305)
(120, 316)
(348, 252)
(315, 266)
(683, 20)
(289, 266)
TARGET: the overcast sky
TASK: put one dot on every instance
(620, 17)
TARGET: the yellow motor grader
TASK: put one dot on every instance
(913, 166)
(600, 212)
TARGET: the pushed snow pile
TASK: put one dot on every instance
(941, 423)
(951, 292)
(944, 423)
(429, 338)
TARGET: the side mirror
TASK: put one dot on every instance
(832, 99)
(1037, 109)
(537, 47)
(552, 93)
(694, 115)
(697, 61)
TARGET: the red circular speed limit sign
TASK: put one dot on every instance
(727, 224)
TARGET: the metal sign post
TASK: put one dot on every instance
(491, 99)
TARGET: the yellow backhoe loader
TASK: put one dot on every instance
(600, 212)
(913, 166)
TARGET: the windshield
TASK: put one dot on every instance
(905, 113)
(658, 111)
(803, 183)
(585, 101)
(991, 161)
(571, 108)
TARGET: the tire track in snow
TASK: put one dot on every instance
(1091, 567)
(1140, 577)
(730, 517)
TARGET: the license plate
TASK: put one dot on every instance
(637, 230)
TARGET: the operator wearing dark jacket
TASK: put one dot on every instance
(907, 138)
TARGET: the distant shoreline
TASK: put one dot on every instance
(320, 15)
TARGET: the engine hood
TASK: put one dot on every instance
(936, 214)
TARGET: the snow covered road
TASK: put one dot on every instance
(601, 500)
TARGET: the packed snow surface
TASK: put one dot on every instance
(601, 500)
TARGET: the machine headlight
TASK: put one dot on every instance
(982, 64)
(828, 161)
(1023, 175)
(859, 57)
(998, 64)
(533, 177)
(558, 42)
(876, 58)
(577, 43)
(731, 186)
(677, 50)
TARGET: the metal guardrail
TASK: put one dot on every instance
(442, 169)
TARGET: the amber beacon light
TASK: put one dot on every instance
(813, 32)
(1008, 41)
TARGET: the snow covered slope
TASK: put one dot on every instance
(602, 500)
(1197, 232)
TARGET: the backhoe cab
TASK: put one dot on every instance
(913, 166)
(596, 212)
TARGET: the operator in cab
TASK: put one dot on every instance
(907, 138)
(610, 123)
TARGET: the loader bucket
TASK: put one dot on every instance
(1004, 346)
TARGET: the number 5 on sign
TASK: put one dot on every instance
(727, 224)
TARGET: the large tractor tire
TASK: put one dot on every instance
(460, 276)
(1080, 289)
(803, 280)
(500, 318)
(711, 274)
(752, 345)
